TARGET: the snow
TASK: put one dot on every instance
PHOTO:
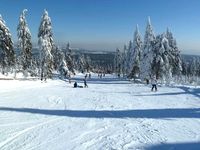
(110, 114)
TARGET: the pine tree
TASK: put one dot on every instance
(57, 57)
(118, 62)
(129, 49)
(161, 65)
(149, 38)
(81, 63)
(88, 64)
(174, 53)
(194, 69)
(147, 54)
(135, 55)
(34, 67)
(7, 56)
(166, 58)
(69, 59)
(63, 69)
(198, 66)
(125, 61)
(46, 45)
(24, 42)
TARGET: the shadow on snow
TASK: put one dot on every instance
(175, 146)
(185, 90)
(141, 113)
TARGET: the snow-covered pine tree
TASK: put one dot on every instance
(88, 64)
(135, 56)
(84, 63)
(24, 42)
(34, 67)
(81, 63)
(46, 45)
(161, 65)
(69, 59)
(147, 53)
(7, 55)
(184, 70)
(166, 58)
(124, 61)
(129, 49)
(118, 62)
(63, 69)
(198, 67)
(194, 69)
(174, 55)
(57, 57)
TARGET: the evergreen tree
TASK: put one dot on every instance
(125, 61)
(34, 68)
(81, 63)
(24, 42)
(166, 57)
(88, 64)
(135, 54)
(69, 59)
(63, 69)
(57, 57)
(175, 54)
(7, 56)
(118, 62)
(198, 66)
(161, 65)
(194, 69)
(129, 51)
(149, 38)
(46, 45)
(147, 53)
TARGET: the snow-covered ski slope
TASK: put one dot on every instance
(110, 114)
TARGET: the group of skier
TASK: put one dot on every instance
(153, 82)
(84, 81)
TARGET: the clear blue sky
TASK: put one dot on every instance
(107, 24)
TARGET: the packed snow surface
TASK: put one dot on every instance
(110, 114)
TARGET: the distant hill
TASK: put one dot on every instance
(104, 57)
(189, 58)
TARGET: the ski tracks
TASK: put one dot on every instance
(56, 101)
(26, 131)
(128, 135)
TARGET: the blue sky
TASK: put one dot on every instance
(107, 24)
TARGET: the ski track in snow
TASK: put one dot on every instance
(53, 130)
(9, 140)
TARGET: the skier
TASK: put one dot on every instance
(85, 83)
(75, 84)
(118, 75)
(89, 75)
(86, 76)
(154, 84)
(100, 75)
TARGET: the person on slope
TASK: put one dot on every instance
(85, 83)
(89, 75)
(75, 84)
(86, 76)
(154, 84)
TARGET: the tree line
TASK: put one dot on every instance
(155, 56)
(50, 58)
